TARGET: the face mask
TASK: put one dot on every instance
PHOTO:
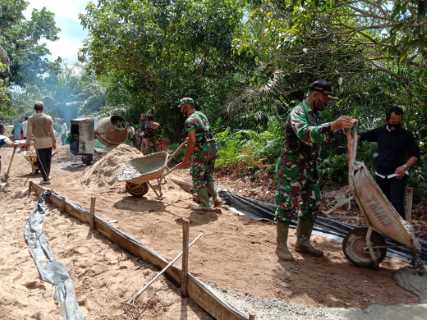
(394, 126)
(318, 105)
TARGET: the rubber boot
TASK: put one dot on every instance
(303, 245)
(202, 199)
(282, 250)
(214, 194)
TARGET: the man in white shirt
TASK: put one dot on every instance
(24, 127)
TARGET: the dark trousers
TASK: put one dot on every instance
(394, 189)
(44, 157)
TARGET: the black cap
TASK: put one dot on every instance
(323, 86)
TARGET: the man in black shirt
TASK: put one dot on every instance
(397, 152)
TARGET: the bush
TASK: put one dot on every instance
(249, 149)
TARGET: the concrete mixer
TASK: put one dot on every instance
(111, 131)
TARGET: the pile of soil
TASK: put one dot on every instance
(104, 171)
(260, 187)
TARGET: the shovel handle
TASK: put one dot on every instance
(6, 176)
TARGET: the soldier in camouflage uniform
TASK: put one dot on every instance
(297, 177)
(202, 153)
(149, 132)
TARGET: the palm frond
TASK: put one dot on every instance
(276, 91)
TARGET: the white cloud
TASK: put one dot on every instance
(66, 48)
(62, 9)
(67, 19)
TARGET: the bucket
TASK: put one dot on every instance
(111, 131)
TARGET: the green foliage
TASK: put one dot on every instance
(23, 52)
(247, 62)
(22, 39)
(334, 169)
(151, 53)
(248, 149)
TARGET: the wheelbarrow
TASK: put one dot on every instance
(365, 246)
(31, 157)
(147, 172)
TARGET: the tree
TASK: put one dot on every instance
(21, 42)
(154, 52)
(21, 39)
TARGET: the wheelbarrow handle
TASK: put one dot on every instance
(170, 170)
(172, 155)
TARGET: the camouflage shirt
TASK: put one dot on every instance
(304, 133)
(198, 123)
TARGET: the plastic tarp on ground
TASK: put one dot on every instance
(260, 210)
(50, 270)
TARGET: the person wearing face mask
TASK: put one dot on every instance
(200, 155)
(297, 177)
(397, 152)
(149, 132)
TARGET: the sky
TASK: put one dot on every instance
(72, 34)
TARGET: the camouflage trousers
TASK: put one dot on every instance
(201, 172)
(297, 190)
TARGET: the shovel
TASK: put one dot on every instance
(6, 176)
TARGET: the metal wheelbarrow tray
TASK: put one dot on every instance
(138, 173)
(366, 246)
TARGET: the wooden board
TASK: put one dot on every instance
(197, 290)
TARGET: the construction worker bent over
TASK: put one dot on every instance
(201, 153)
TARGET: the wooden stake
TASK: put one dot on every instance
(251, 317)
(185, 253)
(92, 213)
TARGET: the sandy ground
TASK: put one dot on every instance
(235, 253)
(103, 275)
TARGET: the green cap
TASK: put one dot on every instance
(186, 100)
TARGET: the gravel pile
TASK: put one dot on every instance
(272, 309)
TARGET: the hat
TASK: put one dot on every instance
(323, 86)
(185, 100)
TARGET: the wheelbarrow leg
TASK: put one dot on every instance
(418, 263)
(370, 248)
(157, 189)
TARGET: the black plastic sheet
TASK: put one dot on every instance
(259, 210)
(50, 270)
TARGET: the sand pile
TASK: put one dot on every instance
(104, 171)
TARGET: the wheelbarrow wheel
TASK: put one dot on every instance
(135, 189)
(356, 250)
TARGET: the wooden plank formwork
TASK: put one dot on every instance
(197, 290)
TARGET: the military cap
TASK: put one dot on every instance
(323, 86)
(186, 100)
